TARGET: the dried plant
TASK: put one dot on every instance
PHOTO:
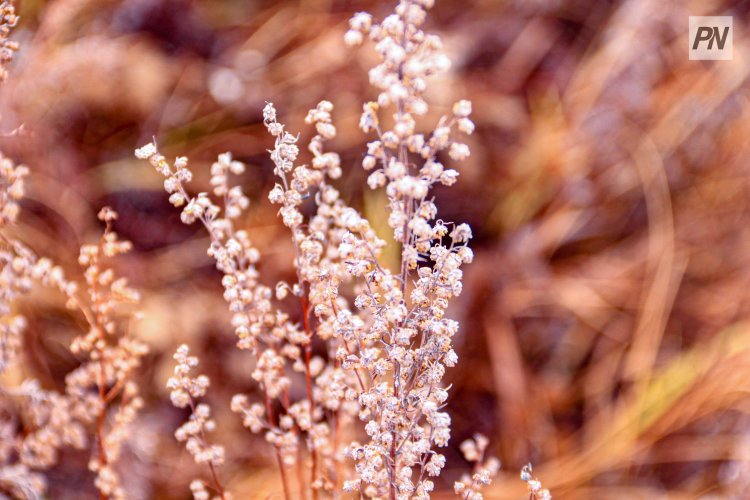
(109, 356)
(536, 492)
(383, 337)
(8, 21)
(185, 390)
(47, 420)
(113, 354)
(469, 487)
(604, 316)
(52, 419)
(372, 344)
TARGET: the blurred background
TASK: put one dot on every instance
(605, 333)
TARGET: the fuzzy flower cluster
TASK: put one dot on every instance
(11, 189)
(470, 486)
(185, 390)
(191, 433)
(282, 347)
(320, 270)
(397, 341)
(8, 21)
(405, 336)
(183, 387)
(536, 492)
(58, 420)
(366, 342)
(113, 355)
(20, 269)
(231, 249)
(200, 491)
(52, 420)
(109, 357)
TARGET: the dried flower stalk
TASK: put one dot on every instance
(469, 487)
(185, 390)
(52, 420)
(536, 492)
(113, 354)
(378, 354)
(8, 21)
(110, 356)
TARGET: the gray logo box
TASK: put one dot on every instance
(710, 38)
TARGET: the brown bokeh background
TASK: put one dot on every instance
(604, 321)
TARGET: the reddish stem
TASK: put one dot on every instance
(393, 467)
(310, 397)
(100, 421)
(282, 470)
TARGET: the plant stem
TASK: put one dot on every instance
(310, 397)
